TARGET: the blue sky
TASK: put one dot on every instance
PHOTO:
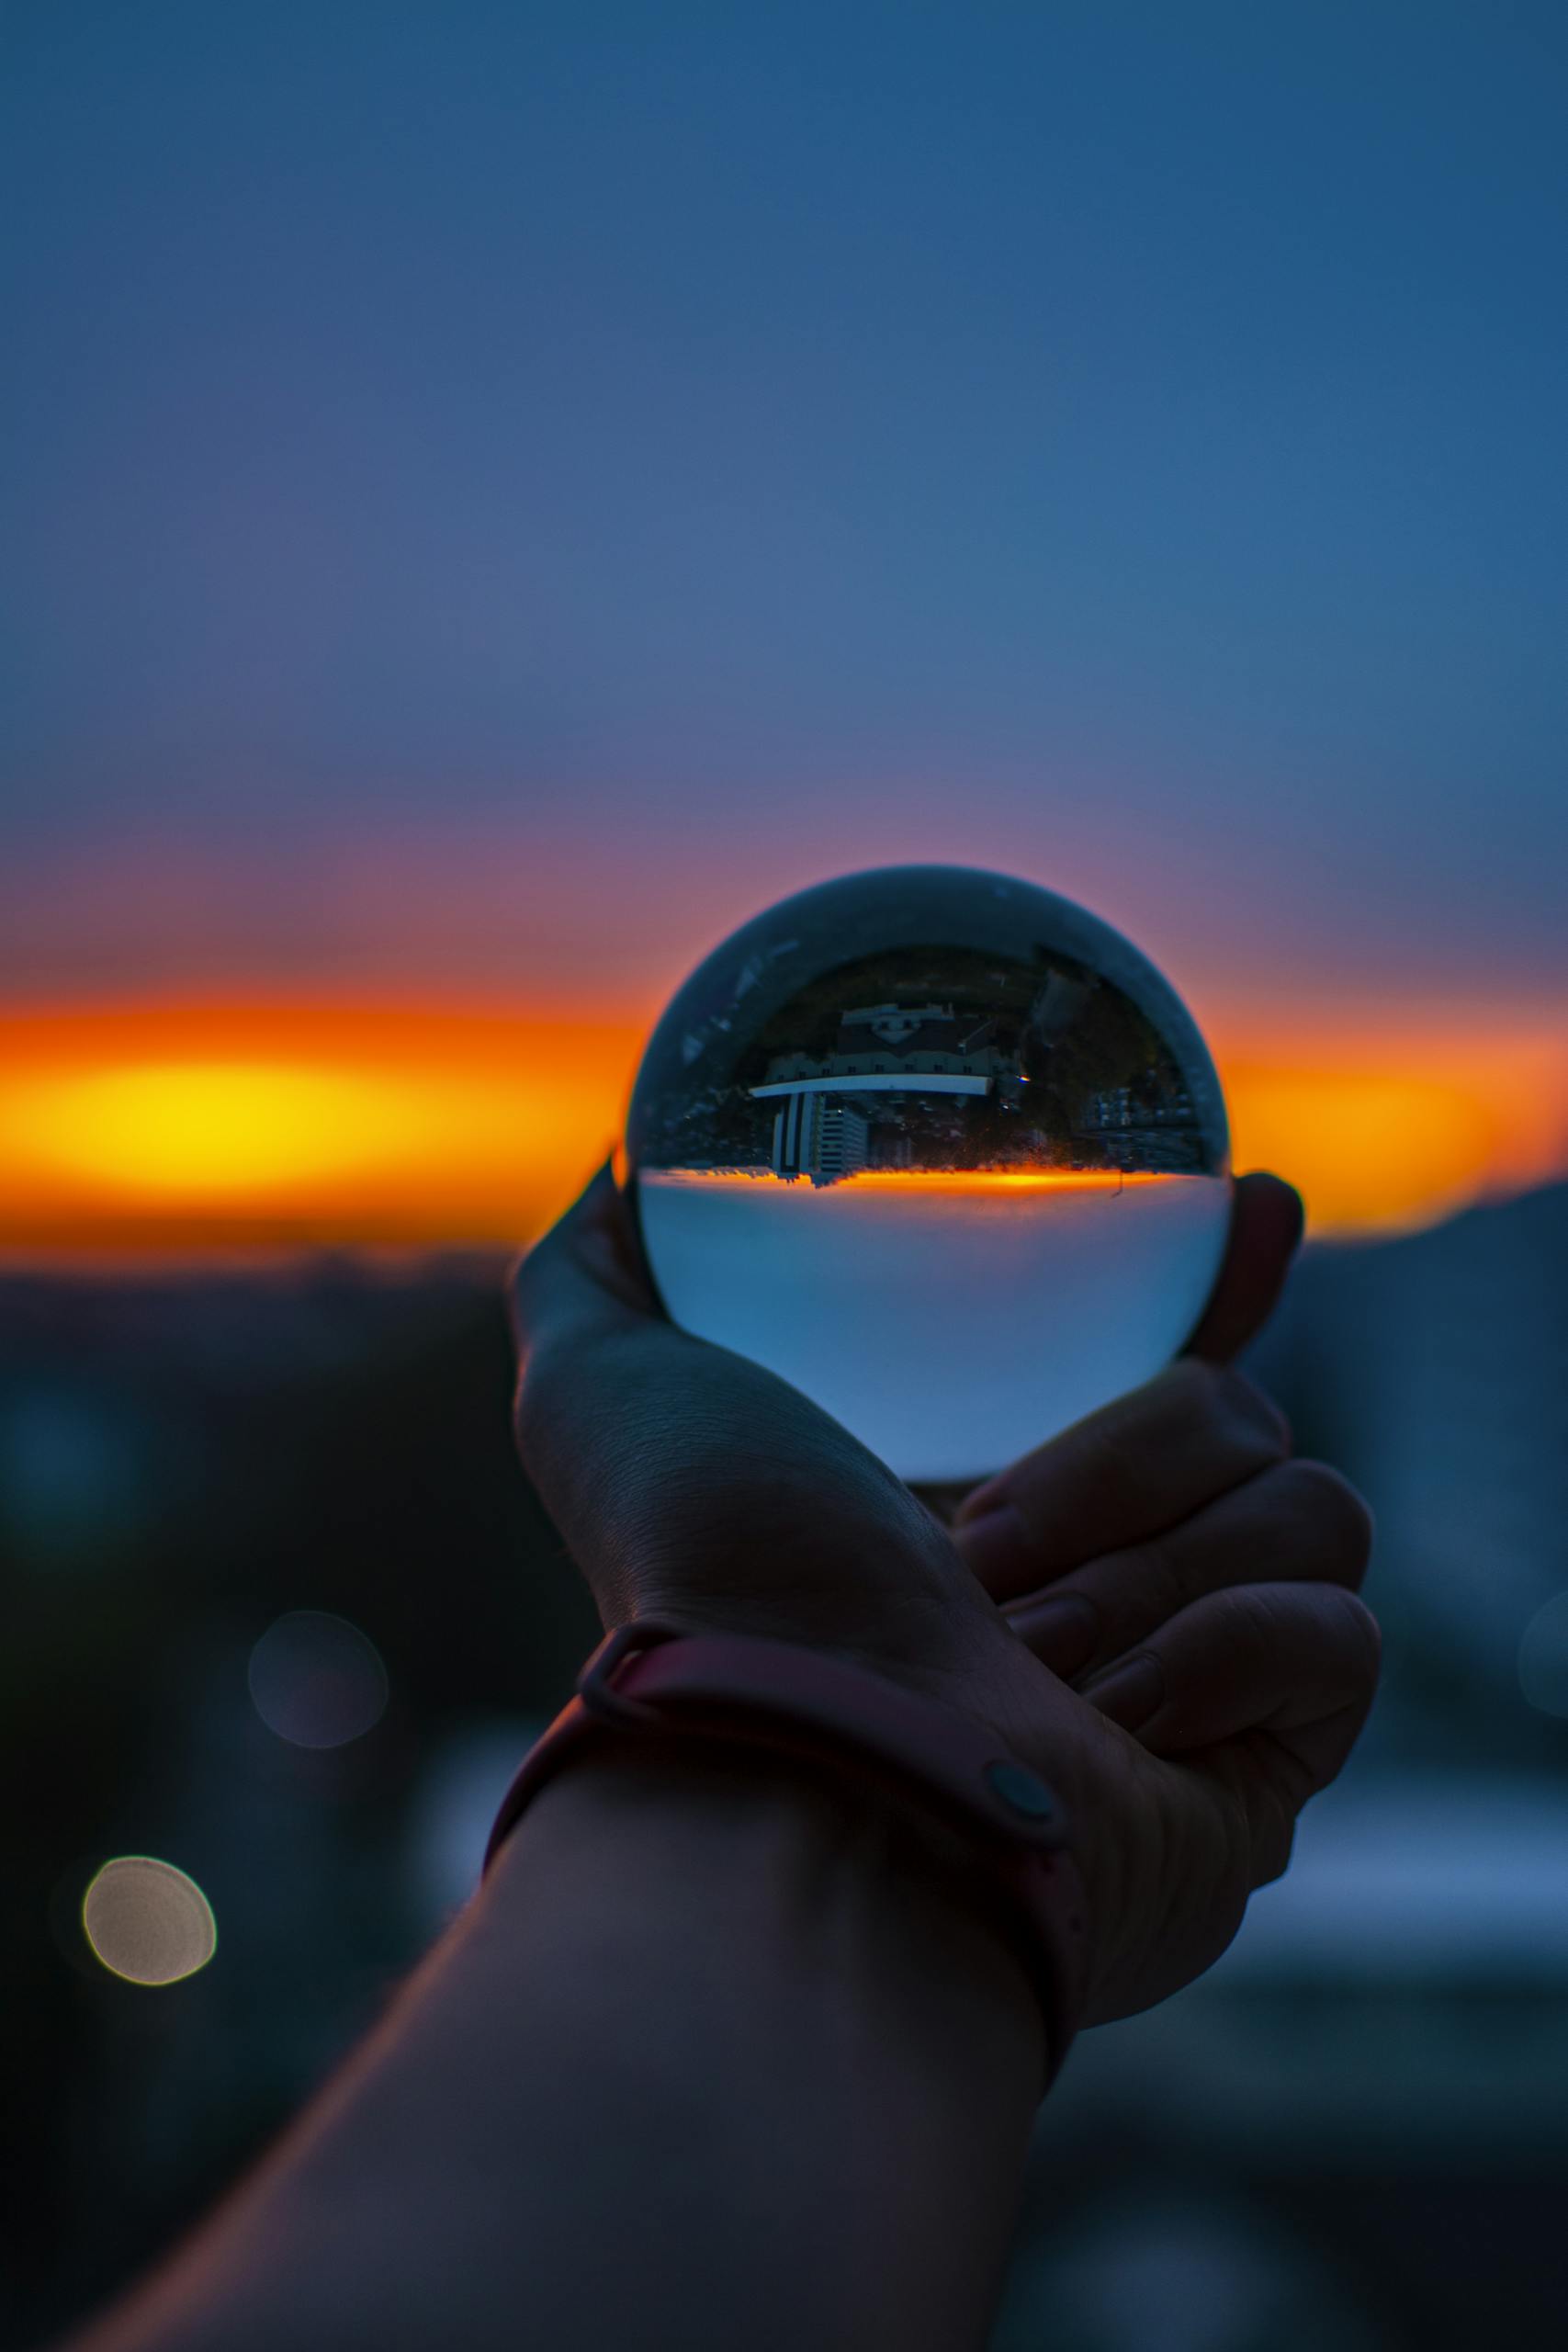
(481, 472)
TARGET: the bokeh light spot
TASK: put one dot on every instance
(147, 1921)
(1543, 1657)
(317, 1680)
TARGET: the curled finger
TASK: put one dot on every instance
(1298, 1662)
(1294, 1522)
(1128, 1473)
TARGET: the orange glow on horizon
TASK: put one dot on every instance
(209, 1130)
(190, 1130)
(1387, 1127)
(938, 1180)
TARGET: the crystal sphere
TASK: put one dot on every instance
(941, 1149)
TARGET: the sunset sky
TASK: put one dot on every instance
(497, 495)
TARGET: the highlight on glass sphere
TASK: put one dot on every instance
(941, 1149)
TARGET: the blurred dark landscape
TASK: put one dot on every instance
(1354, 2133)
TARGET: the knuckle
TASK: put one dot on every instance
(1094, 1464)
(1156, 1588)
(1332, 1507)
(1201, 1389)
(1249, 1624)
(1228, 1406)
(1254, 1414)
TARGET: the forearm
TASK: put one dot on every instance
(710, 2061)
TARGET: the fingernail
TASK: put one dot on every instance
(1062, 1631)
(1131, 1693)
(996, 1547)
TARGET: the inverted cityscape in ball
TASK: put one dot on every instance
(939, 1148)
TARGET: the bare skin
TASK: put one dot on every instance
(688, 1483)
(723, 2059)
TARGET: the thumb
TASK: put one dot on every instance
(586, 1277)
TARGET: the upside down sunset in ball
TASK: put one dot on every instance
(941, 1149)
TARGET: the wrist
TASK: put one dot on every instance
(801, 2069)
(750, 1869)
(656, 1684)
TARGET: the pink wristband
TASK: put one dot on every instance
(662, 1681)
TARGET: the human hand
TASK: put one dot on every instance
(1265, 1232)
(691, 1484)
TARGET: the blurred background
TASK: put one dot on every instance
(493, 496)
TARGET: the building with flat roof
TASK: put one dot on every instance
(884, 1045)
(820, 1135)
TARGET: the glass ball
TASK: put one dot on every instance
(941, 1149)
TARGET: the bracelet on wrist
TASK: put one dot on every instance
(652, 1680)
